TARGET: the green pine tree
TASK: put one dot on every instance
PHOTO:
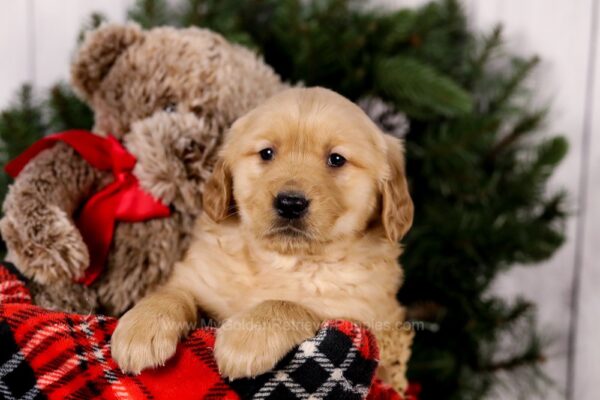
(477, 165)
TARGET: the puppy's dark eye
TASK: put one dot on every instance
(267, 154)
(336, 160)
(170, 107)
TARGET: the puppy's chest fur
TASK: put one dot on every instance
(228, 272)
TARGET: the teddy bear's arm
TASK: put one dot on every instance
(37, 224)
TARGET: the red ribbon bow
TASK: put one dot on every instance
(122, 200)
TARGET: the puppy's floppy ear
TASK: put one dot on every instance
(397, 206)
(100, 50)
(218, 193)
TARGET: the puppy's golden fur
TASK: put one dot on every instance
(271, 282)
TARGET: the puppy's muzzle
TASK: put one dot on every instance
(291, 205)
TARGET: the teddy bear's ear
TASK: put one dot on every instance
(99, 51)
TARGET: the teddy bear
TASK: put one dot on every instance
(167, 96)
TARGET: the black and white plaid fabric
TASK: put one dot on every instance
(332, 365)
(17, 380)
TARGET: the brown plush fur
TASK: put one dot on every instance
(169, 95)
(270, 281)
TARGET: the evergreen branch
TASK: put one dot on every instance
(150, 13)
(94, 21)
(521, 309)
(550, 153)
(525, 125)
(553, 208)
(522, 69)
(399, 31)
(21, 124)
(66, 110)
(490, 45)
(514, 362)
(405, 79)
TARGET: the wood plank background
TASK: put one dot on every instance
(37, 40)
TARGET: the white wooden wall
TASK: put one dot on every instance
(36, 43)
(564, 34)
(37, 38)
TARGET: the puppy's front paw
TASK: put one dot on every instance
(247, 347)
(141, 341)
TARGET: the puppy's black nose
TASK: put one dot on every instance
(291, 205)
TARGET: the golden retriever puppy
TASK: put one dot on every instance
(302, 220)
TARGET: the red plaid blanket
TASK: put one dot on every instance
(47, 354)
